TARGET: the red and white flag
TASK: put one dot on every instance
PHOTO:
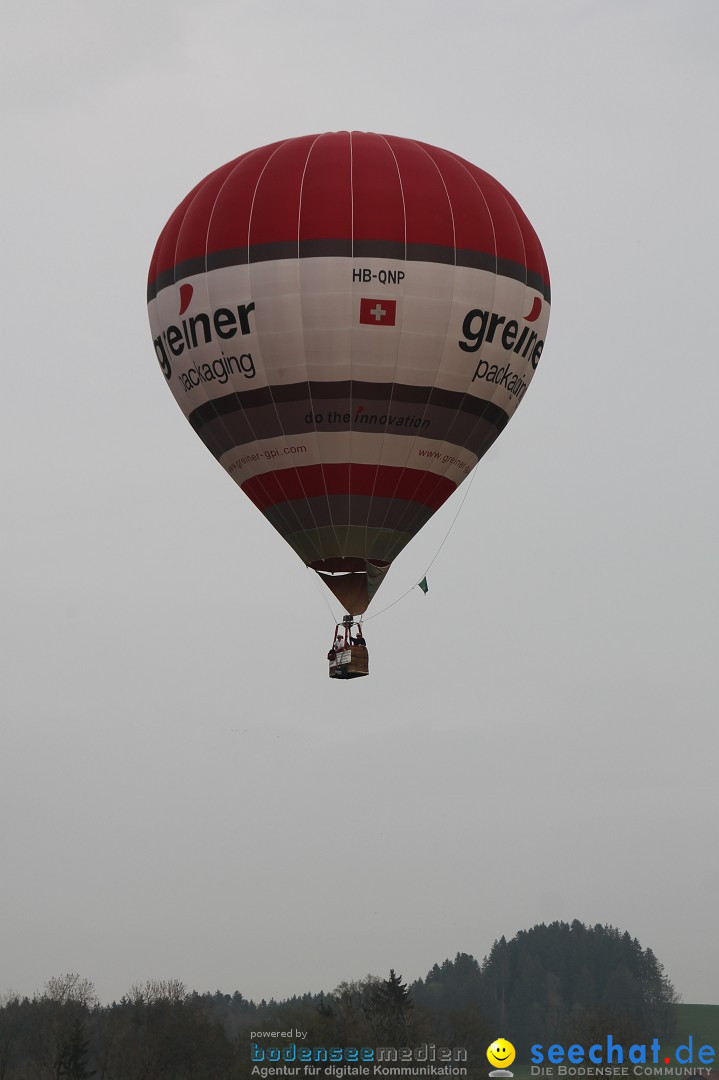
(378, 312)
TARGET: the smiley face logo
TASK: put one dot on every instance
(501, 1054)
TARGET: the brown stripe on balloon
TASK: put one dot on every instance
(235, 430)
(274, 412)
(346, 389)
(336, 541)
(350, 510)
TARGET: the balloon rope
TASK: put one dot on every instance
(369, 617)
(323, 589)
(436, 554)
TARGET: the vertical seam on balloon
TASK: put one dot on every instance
(367, 545)
(287, 503)
(410, 514)
(307, 371)
(208, 288)
(284, 510)
(351, 342)
(486, 401)
(204, 392)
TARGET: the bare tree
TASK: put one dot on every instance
(64, 989)
(172, 991)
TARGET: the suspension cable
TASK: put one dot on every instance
(436, 554)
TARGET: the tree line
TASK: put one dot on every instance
(558, 982)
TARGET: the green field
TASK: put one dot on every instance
(699, 1021)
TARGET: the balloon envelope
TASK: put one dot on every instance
(348, 321)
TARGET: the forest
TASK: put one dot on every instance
(557, 982)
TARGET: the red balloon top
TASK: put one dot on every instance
(348, 193)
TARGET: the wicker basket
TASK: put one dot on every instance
(350, 663)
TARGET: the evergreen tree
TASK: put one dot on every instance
(392, 1003)
(559, 978)
(72, 1061)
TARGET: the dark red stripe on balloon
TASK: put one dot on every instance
(384, 481)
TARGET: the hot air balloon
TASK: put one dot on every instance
(348, 321)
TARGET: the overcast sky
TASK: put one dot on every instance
(183, 791)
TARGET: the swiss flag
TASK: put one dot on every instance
(378, 312)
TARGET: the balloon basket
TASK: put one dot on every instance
(350, 663)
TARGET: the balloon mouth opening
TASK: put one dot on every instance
(348, 564)
(354, 581)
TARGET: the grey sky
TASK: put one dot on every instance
(183, 792)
